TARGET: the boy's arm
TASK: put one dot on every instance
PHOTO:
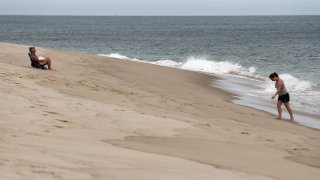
(278, 89)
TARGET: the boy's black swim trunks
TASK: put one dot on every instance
(284, 98)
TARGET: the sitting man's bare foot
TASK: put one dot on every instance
(279, 118)
(292, 120)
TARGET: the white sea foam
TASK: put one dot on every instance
(211, 67)
(119, 56)
(217, 67)
(116, 55)
(198, 64)
(168, 63)
(295, 84)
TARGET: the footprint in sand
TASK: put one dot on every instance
(58, 126)
(63, 120)
(205, 125)
(40, 102)
(244, 133)
(37, 167)
(52, 112)
(119, 110)
(32, 134)
(45, 172)
(240, 113)
(301, 149)
(270, 140)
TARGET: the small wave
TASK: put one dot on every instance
(119, 56)
(200, 65)
(114, 55)
(211, 67)
(294, 84)
(217, 67)
(167, 63)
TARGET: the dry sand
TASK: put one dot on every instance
(102, 118)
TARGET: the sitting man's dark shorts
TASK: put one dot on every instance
(284, 98)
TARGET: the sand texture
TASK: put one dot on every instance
(101, 118)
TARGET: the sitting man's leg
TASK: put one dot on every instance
(47, 61)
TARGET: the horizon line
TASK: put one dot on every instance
(159, 15)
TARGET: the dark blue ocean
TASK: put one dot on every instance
(244, 50)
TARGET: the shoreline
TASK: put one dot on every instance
(96, 117)
(225, 83)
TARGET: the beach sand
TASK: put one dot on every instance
(102, 118)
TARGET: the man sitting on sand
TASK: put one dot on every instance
(41, 61)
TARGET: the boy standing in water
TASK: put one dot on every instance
(283, 95)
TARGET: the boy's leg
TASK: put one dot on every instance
(287, 105)
(279, 103)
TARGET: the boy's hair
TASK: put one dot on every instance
(272, 75)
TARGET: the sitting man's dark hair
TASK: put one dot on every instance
(31, 48)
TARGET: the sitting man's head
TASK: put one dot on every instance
(32, 49)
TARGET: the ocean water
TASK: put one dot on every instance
(243, 50)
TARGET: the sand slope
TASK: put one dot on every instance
(101, 118)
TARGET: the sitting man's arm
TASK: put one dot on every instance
(35, 58)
